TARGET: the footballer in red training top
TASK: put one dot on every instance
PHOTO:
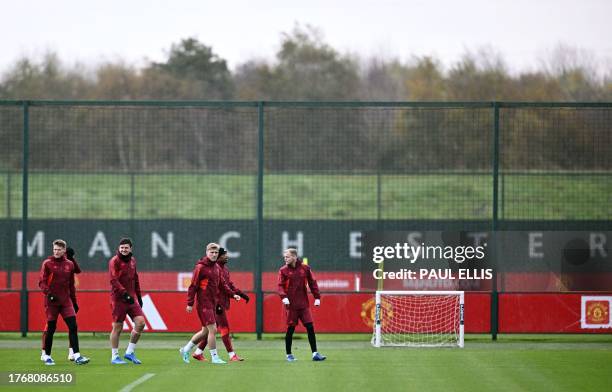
(125, 289)
(207, 284)
(57, 283)
(292, 279)
(223, 305)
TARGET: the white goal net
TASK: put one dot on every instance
(418, 318)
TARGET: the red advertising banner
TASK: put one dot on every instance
(334, 281)
(179, 281)
(542, 313)
(149, 280)
(11, 311)
(339, 312)
(164, 312)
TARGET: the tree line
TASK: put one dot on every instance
(302, 139)
(307, 68)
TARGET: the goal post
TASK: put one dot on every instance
(419, 319)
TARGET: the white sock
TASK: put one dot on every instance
(43, 353)
(70, 351)
(231, 354)
(213, 352)
(77, 355)
(198, 351)
(115, 352)
(131, 347)
(315, 353)
(188, 346)
(45, 357)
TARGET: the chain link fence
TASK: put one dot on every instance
(261, 176)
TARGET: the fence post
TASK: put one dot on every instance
(260, 228)
(24, 220)
(132, 204)
(9, 263)
(494, 223)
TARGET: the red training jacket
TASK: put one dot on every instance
(224, 300)
(57, 277)
(292, 284)
(208, 284)
(123, 277)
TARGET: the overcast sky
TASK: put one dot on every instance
(523, 31)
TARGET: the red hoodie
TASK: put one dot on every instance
(123, 277)
(57, 278)
(292, 284)
(224, 300)
(208, 283)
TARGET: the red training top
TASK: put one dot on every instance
(208, 283)
(123, 277)
(224, 300)
(292, 284)
(57, 278)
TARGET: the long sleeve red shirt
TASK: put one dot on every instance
(207, 284)
(57, 278)
(123, 277)
(292, 283)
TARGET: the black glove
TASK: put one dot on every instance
(244, 297)
(140, 301)
(76, 307)
(51, 297)
(128, 298)
(70, 253)
(219, 309)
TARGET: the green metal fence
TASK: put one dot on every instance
(263, 175)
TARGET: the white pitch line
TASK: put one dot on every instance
(131, 386)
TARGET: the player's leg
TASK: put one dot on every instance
(195, 339)
(73, 337)
(51, 312)
(199, 351)
(115, 334)
(212, 343)
(292, 318)
(289, 342)
(48, 342)
(139, 324)
(224, 331)
(42, 345)
(118, 311)
(198, 354)
(306, 319)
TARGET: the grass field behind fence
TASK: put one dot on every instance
(513, 363)
(303, 196)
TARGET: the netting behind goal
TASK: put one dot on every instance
(418, 318)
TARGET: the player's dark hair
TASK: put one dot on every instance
(125, 240)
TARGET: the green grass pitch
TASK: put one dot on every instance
(513, 363)
(313, 196)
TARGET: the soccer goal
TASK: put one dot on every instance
(418, 318)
